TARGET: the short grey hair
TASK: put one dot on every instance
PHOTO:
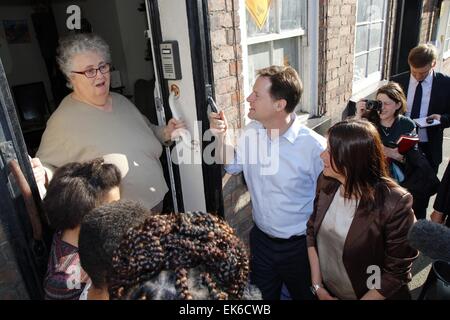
(77, 43)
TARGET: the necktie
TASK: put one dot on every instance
(415, 110)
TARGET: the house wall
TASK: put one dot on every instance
(228, 79)
(337, 40)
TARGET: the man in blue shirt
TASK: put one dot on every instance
(280, 159)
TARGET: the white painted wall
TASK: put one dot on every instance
(191, 174)
(22, 61)
(132, 24)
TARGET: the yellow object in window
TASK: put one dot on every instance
(259, 10)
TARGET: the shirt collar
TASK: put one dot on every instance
(294, 130)
(427, 80)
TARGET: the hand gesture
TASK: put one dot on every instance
(218, 123)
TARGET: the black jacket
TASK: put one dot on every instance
(442, 203)
(439, 104)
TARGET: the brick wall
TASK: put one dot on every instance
(337, 37)
(11, 282)
(227, 66)
(427, 20)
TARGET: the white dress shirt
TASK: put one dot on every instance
(427, 84)
(282, 182)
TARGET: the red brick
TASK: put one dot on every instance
(235, 68)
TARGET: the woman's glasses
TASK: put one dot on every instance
(92, 73)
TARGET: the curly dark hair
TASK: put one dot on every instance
(101, 232)
(173, 248)
(75, 189)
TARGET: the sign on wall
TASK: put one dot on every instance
(259, 11)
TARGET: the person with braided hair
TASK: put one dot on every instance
(131, 254)
(186, 256)
(75, 189)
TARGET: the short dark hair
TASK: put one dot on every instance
(286, 84)
(422, 55)
(75, 189)
(367, 177)
(101, 232)
(197, 250)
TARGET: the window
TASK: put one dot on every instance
(369, 43)
(278, 42)
(447, 39)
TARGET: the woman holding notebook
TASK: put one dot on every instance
(407, 165)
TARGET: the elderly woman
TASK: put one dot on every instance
(356, 236)
(93, 122)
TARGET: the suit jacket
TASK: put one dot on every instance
(377, 238)
(439, 104)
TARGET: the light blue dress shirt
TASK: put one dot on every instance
(281, 176)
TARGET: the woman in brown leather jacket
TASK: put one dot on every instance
(356, 235)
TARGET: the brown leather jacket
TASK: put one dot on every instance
(377, 238)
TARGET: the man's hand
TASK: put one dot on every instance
(437, 217)
(218, 123)
(173, 129)
(435, 117)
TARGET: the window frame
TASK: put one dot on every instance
(446, 53)
(270, 38)
(374, 77)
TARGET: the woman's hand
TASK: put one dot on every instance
(40, 175)
(360, 109)
(393, 153)
(323, 294)
(437, 217)
(173, 128)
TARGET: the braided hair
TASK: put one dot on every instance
(179, 248)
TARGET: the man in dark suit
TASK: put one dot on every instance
(428, 95)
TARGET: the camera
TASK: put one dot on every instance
(374, 105)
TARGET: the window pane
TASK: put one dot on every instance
(268, 27)
(285, 52)
(363, 6)
(258, 58)
(376, 10)
(374, 62)
(360, 67)
(375, 35)
(292, 14)
(362, 38)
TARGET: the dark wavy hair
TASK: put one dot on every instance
(101, 232)
(190, 255)
(75, 189)
(356, 152)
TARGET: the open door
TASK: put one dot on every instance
(20, 212)
(200, 183)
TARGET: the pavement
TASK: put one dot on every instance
(422, 265)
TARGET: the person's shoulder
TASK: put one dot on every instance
(308, 135)
(441, 77)
(406, 122)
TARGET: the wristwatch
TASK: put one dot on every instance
(315, 287)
